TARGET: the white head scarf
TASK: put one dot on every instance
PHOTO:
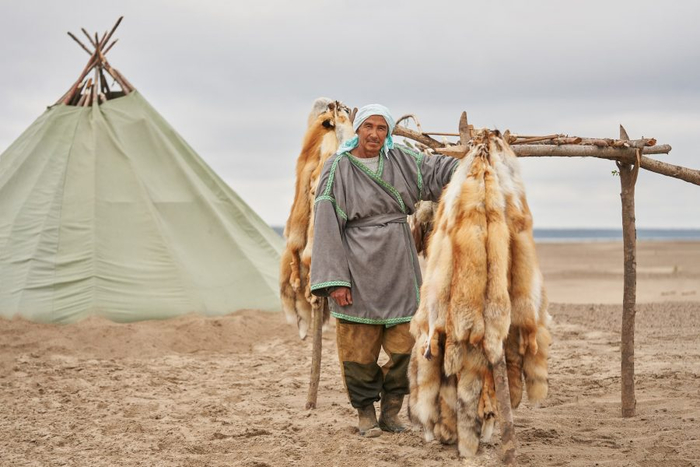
(363, 114)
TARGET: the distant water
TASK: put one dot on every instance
(604, 235)
(599, 235)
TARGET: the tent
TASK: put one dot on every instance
(106, 211)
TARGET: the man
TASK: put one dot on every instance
(364, 258)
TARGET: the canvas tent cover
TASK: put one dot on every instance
(106, 211)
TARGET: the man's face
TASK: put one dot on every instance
(372, 133)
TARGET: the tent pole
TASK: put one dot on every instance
(88, 36)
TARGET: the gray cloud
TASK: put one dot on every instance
(236, 79)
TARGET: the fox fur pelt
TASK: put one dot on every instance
(421, 224)
(329, 126)
(483, 295)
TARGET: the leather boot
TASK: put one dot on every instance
(389, 417)
(368, 422)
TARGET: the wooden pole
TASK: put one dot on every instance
(76, 97)
(573, 148)
(628, 155)
(110, 47)
(438, 133)
(414, 135)
(577, 150)
(318, 312)
(80, 43)
(67, 97)
(123, 78)
(412, 117)
(505, 412)
(105, 86)
(554, 139)
(465, 133)
(117, 77)
(628, 178)
(89, 38)
(107, 37)
(96, 87)
(86, 93)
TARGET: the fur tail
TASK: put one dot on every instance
(454, 354)
(446, 427)
(287, 292)
(514, 365)
(535, 367)
(487, 407)
(424, 385)
(469, 386)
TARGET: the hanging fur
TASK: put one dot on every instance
(482, 289)
(421, 225)
(329, 126)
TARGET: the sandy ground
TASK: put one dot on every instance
(198, 391)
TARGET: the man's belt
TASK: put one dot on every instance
(379, 219)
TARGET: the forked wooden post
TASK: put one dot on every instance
(628, 178)
(505, 412)
(318, 312)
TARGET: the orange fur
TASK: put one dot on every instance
(446, 426)
(424, 389)
(329, 125)
(469, 262)
(483, 289)
(497, 307)
(514, 365)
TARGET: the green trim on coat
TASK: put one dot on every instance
(357, 319)
(413, 266)
(331, 175)
(418, 157)
(394, 192)
(340, 212)
(323, 285)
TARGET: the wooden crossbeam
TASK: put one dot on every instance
(556, 145)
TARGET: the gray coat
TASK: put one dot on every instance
(361, 237)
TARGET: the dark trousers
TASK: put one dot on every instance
(358, 350)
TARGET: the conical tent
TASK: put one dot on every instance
(105, 210)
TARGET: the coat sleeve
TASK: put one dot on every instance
(329, 264)
(436, 172)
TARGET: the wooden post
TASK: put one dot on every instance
(465, 133)
(628, 178)
(318, 312)
(505, 413)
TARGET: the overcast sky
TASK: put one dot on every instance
(237, 80)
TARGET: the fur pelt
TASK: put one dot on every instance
(482, 296)
(421, 225)
(329, 126)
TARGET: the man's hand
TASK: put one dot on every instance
(342, 296)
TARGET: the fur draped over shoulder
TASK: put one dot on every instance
(329, 126)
